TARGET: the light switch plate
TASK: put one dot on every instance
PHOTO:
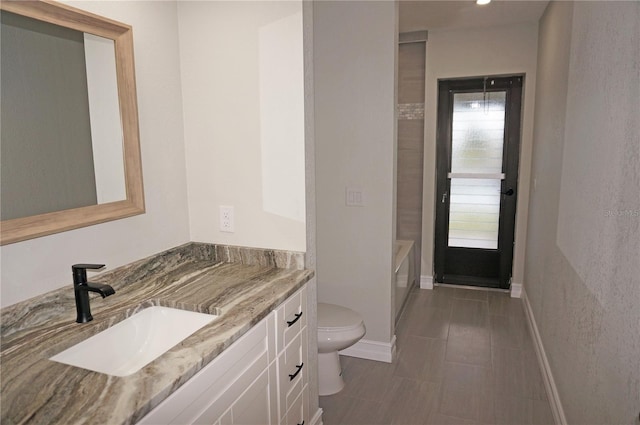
(354, 197)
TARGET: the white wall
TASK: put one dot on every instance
(479, 52)
(36, 266)
(582, 275)
(310, 199)
(242, 80)
(355, 137)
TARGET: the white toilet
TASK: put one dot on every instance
(338, 328)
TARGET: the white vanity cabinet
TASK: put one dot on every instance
(262, 378)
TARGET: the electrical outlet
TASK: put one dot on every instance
(226, 219)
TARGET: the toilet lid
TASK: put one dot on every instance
(335, 317)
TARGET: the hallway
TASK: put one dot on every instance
(464, 357)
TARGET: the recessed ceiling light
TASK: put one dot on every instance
(482, 2)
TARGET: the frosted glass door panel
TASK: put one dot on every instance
(477, 132)
(474, 213)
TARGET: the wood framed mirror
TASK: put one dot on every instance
(131, 200)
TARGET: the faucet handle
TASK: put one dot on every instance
(79, 272)
(87, 266)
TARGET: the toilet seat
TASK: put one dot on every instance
(335, 318)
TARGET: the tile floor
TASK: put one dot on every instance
(463, 357)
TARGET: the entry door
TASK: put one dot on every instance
(478, 141)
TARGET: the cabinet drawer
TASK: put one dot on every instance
(291, 317)
(293, 371)
(298, 413)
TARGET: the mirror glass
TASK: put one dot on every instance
(70, 151)
(61, 138)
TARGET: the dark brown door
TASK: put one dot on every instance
(478, 145)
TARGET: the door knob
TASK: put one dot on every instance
(508, 192)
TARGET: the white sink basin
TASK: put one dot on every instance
(130, 345)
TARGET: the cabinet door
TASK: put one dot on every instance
(298, 413)
(255, 406)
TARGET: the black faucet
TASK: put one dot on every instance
(81, 288)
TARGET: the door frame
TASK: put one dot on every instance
(503, 256)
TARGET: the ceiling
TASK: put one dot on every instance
(432, 15)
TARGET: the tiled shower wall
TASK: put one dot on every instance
(411, 92)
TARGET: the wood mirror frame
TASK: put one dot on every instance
(20, 229)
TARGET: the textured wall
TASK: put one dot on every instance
(583, 262)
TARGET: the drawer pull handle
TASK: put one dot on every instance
(301, 423)
(291, 322)
(292, 376)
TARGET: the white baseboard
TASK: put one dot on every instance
(547, 376)
(373, 350)
(426, 282)
(317, 418)
(516, 290)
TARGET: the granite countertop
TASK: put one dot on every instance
(241, 285)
